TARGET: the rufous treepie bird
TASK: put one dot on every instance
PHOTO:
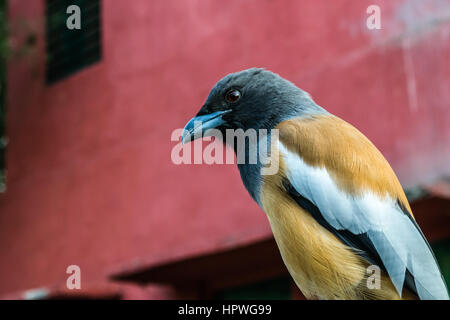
(335, 205)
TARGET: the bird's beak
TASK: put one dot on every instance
(198, 125)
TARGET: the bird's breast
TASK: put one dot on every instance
(315, 258)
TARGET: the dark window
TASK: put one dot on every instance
(71, 50)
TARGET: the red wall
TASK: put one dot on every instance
(90, 178)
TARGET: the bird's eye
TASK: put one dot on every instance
(233, 95)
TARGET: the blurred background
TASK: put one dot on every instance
(86, 117)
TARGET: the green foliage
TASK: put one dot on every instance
(3, 55)
(442, 252)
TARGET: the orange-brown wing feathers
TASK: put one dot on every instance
(353, 161)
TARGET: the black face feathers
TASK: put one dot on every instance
(265, 100)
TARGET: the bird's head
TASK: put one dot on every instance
(249, 99)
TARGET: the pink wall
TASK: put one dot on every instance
(90, 179)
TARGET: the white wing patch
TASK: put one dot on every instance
(396, 239)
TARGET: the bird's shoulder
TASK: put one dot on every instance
(349, 157)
